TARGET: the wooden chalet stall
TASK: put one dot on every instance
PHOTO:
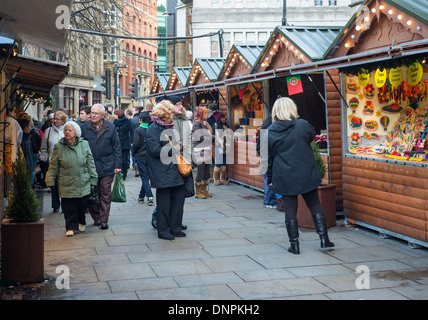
(203, 73)
(178, 80)
(385, 118)
(243, 104)
(160, 83)
(287, 52)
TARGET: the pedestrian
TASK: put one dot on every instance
(223, 143)
(84, 114)
(163, 172)
(105, 147)
(269, 200)
(51, 137)
(140, 154)
(49, 120)
(26, 146)
(126, 137)
(181, 125)
(73, 166)
(202, 152)
(292, 169)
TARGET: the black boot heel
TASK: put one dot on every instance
(293, 236)
(322, 230)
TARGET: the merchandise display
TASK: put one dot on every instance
(386, 121)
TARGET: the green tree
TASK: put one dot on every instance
(23, 205)
(322, 169)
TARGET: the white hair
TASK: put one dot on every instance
(75, 126)
(99, 105)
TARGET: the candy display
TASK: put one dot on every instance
(393, 126)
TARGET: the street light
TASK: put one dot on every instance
(172, 14)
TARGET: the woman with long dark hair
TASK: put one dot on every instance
(126, 137)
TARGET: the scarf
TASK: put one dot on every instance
(161, 123)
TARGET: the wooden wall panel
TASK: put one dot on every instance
(334, 121)
(393, 197)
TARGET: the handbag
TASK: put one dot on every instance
(183, 166)
(118, 193)
(94, 198)
(189, 184)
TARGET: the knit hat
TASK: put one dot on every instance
(174, 99)
(213, 106)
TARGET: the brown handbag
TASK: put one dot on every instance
(183, 166)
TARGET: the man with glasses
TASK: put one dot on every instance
(105, 146)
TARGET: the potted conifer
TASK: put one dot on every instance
(22, 230)
(326, 193)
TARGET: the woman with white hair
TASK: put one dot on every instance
(73, 164)
(292, 169)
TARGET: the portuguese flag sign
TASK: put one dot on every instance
(294, 85)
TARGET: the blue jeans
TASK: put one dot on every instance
(146, 189)
(269, 199)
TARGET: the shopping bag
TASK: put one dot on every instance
(118, 193)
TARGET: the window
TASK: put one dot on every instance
(239, 37)
(227, 42)
(263, 36)
(332, 3)
(113, 16)
(318, 3)
(251, 37)
(113, 53)
(96, 97)
(105, 16)
(227, 3)
(215, 3)
(68, 98)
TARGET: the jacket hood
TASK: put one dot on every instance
(120, 122)
(282, 125)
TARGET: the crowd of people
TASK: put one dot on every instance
(76, 156)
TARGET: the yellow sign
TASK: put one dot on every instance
(395, 76)
(414, 74)
(380, 77)
(363, 78)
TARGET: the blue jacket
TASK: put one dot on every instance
(105, 147)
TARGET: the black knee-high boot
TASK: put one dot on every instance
(293, 236)
(319, 223)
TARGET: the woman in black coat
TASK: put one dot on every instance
(125, 131)
(163, 173)
(292, 169)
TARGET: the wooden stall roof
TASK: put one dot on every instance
(305, 44)
(34, 74)
(159, 82)
(410, 17)
(178, 78)
(242, 57)
(205, 70)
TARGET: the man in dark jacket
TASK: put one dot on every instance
(140, 154)
(105, 146)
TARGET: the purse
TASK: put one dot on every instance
(183, 166)
(94, 198)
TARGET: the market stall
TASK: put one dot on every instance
(178, 78)
(160, 82)
(314, 92)
(385, 119)
(245, 109)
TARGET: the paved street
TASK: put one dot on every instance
(234, 250)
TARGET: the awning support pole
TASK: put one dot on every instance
(337, 89)
(266, 105)
(316, 88)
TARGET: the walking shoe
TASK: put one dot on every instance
(150, 201)
(69, 233)
(81, 227)
(104, 225)
(141, 199)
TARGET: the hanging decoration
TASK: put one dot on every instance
(294, 84)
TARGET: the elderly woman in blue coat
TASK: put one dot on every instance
(292, 169)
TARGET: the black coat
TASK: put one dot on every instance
(292, 169)
(125, 132)
(162, 175)
(140, 144)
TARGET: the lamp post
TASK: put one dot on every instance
(172, 14)
(284, 12)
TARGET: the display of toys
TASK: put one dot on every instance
(352, 87)
(371, 135)
(355, 139)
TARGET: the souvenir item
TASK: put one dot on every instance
(368, 108)
(353, 103)
(371, 135)
(352, 86)
(393, 108)
(355, 139)
(370, 125)
(384, 121)
(369, 91)
(355, 122)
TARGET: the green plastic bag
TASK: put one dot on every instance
(118, 193)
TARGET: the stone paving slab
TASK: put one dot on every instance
(235, 249)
